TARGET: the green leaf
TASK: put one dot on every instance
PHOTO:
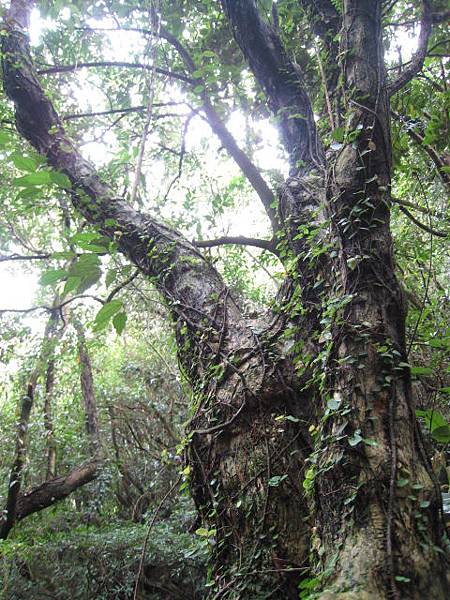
(402, 482)
(60, 179)
(421, 371)
(355, 440)
(6, 138)
(119, 322)
(106, 313)
(87, 269)
(24, 163)
(441, 434)
(275, 481)
(72, 284)
(292, 419)
(53, 276)
(437, 424)
(39, 178)
(201, 531)
(84, 236)
(333, 403)
(92, 247)
(111, 276)
(338, 134)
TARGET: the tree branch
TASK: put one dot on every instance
(281, 81)
(422, 209)
(418, 59)
(120, 111)
(11, 257)
(51, 308)
(239, 156)
(426, 228)
(239, 240)
(52, 491)
(432, 153)
(108, 63)
(242, 160)
(179, 271)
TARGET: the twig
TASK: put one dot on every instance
(152, 42)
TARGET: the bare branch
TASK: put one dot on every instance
(418, 59)
(281, 81)
(239, 156)
(120, 111)
(426, 228)
(114, 64)
(239, 240)
(51, 308)
(120, 287)
(421, 209)
(12, 257)
(52, 491)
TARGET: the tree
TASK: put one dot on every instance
(304, 451)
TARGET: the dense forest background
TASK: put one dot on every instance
(98, 404)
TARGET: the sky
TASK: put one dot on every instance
(18, 286)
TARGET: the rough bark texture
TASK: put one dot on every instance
(251, 448)
(54, 490)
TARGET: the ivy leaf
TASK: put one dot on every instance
(275, 481)
(355, 439)
(402, 482)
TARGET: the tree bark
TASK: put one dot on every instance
(48, 419)
(8, 518)
(88, 394)
(275, 501)
(54, 490)
(375, 494)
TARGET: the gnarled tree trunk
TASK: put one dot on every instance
(294, 470)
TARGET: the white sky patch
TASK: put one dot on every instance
(17, 287)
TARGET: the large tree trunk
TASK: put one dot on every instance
(357, 504)
(247, 457)
(375, 494)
